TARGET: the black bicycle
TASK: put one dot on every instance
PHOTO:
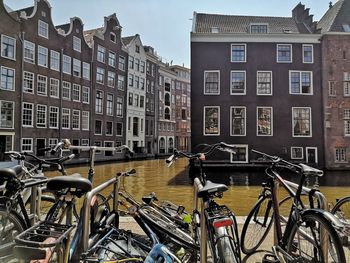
(310, 233)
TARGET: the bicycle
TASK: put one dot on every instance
(214, 220)
(310, 233)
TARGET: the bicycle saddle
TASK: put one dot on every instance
(211, 188)
(9, 173)
(80, 184)
(308, 170)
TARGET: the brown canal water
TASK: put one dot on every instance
(173, 183)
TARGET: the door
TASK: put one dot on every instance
(311, 155)
(40, 146)
(6, 144)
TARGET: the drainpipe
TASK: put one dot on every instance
(61, 100)
(21, 38)
(91, 92)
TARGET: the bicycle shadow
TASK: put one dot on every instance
(255, 257)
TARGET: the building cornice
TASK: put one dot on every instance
(268, 38)
(336, 33)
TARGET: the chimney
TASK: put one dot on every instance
(330, 4)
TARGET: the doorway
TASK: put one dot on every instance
(311, 155)
(40, 147)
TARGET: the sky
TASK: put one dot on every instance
(166, 24)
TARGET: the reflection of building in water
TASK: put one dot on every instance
(239, 178)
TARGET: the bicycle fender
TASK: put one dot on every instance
(325, 214)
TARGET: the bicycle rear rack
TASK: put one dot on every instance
(217, 212)
(39, 237)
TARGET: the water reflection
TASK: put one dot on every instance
(173, 183)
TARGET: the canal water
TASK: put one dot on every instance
(173, 183)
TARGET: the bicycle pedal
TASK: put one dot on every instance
(268, 258)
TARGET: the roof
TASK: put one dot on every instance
(127, 40)
(64, 27)
(27, 10)
(89, 34)
(241, 24)
(335, 17)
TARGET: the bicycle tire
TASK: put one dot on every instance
(342, 209)
(11, 224)
(299, 239)
(254, 231)
(161, 225)
(224, 246)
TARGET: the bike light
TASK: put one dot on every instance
(222, 222)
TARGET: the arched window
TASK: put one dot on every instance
(170, 145)
(167, 113)
(167, 99)
(161, 145)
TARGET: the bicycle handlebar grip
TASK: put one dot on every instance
(170, 159)
(66, 158)
(57, 146)
(228, 147)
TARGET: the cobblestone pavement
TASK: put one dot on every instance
(129, 224)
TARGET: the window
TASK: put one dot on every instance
(54, 60)
(100, 75)
(6, 114)
(238, 121)
(302, 122)
(136, 100)
(98, 127)
(43, 56)
(41, 83)
(346, 117)
(258, 28)
(41, 116)
(167, 113)
(131, 80)
(296, 153)
(137, 49)
(75, 119)
(67, 64)
(86, 70)
(76, 67)
(101, 51)
(54, 88)
(142, 83)
(131, 97)
(109, 106)
(300, 82)
(7, 79)
(211, 120)
(66, 90)
(119, 106)
(52, 142)
(108, 144)
(85, 97)
(332, 91)
(340, 155)
(142, 67)
(27, 145)
(241, 155)
(76, 92)
(264, 83)
(85, 120)
(137, 64)
(284, 53)
(142, 101)
(137, 82)
(109, 128)
(346, 84)
(111, 79)
(121, 82)
(29, 52)
(76, 44)
(119, 129)
(28, 82)
(111, 59)
(264, 121)
(121, 64)
(211, 82)
(308, 56)
(135, 126)
(8, 47)
(238, 82)
(53, 117)
(43, 29)
(238, 53)
(65, 118)
(99, 102)
(113, 37)
(27, 114)
(131, 62)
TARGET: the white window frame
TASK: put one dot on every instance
(29, 144)
(76, 90)
(316, 154)
(301, 136)
(345, 155)
(95, 127)
(109, 104)
(99, 110)
(245, 82)
(65, 115)
(204, 82)
(14, 78)
(245, 53)
(85, 117)
(13, 113)
(74, 114)
(76, 44)
(109, 134)
(32, 79)
(111, 75)
(257, 119)
(76, 67)
(43, 29)
(110, 59)
(41, 82)
(55, 112)
(14, 47)
(32, 115)
(56, 87)
(312, 53)
(291, 53)
(300, 83)
(101, 54)
(332, 89)
(41, 124)
(245, 121)
(100, 72)
(257, 83)
(67, 61)
(204, 108)
(67, 88)
(86, 70)
(121, 66)
(30, 46)
(55, 60)
(294, 157)
(246, 153)
(43, 51)
(85, 91)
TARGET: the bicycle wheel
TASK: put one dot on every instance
(165, 227)
(342, 211)
(10, 226)
(257, 225)
(225, 246)
(314, 240)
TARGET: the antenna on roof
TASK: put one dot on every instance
(330, 4)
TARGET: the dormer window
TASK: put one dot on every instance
(137, 49)
(215, 29)
(113, 37)
(346, 28)
(258, 28)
